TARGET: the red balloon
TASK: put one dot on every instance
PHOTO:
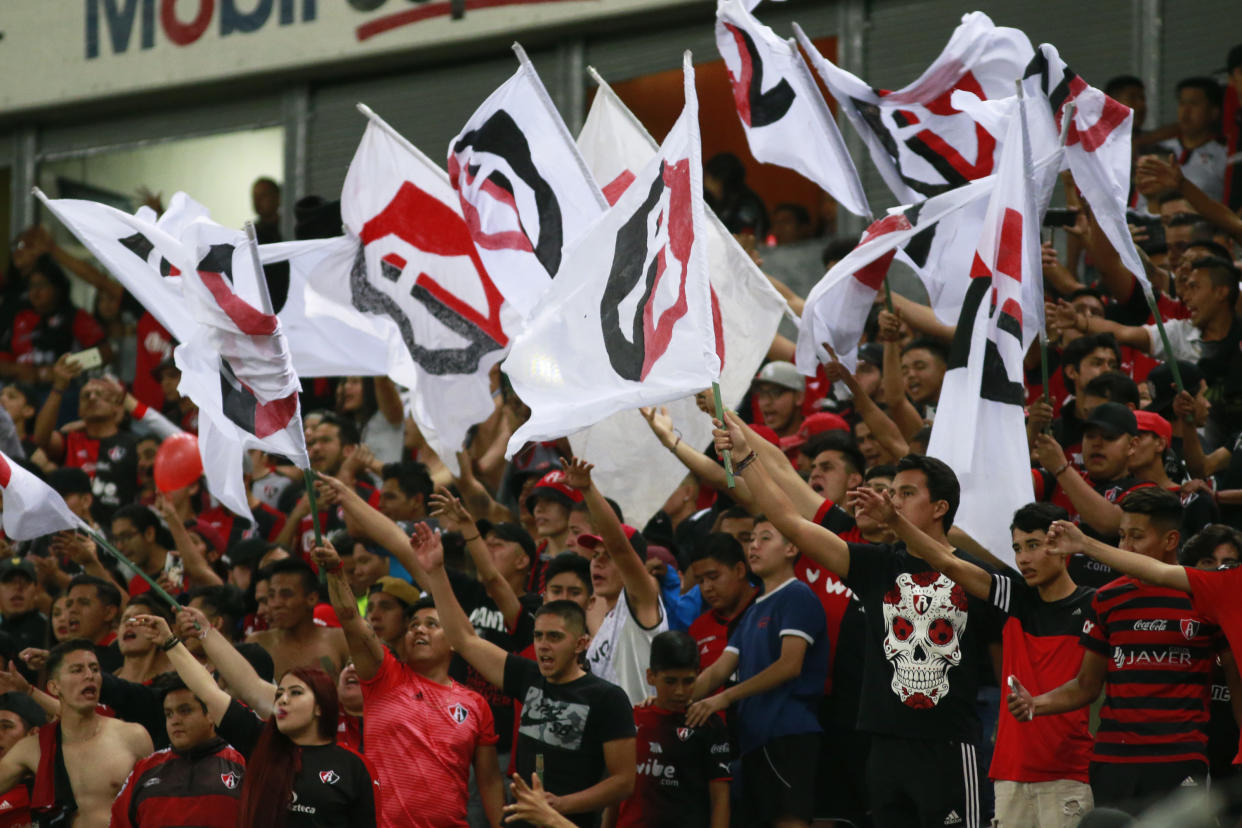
(177, 463)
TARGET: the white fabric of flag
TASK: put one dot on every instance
(1097, 147)
(524, 190)
(419, 277)
(31, 508)
(126, 245)
(635, 325)
(236, 367)
(642, 473)
(786, 120)
(980, 429)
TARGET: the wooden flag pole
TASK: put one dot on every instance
(726, 455)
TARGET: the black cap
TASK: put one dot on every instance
(1164, 389)
(511, 533)
(1114, 418)
(25, 707)
(11, 566)
(1234, 60)
(69, 480)
(871, 353)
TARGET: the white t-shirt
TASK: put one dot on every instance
(1203, 166)
(620, 652)
(1185, 339)
(386, 441)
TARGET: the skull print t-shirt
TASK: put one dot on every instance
(926, 643)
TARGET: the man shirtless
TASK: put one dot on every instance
(98, 752)
(295, 640)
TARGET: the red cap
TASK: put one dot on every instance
(553, 485)
(1152, 422)
(817, 423)
(590, 542)
(766, 433)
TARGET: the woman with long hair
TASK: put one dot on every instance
(374, 405)
(297, 776)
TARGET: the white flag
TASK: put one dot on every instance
(417, 272)
(635, 326)
(783, 114)
(236, 366)
(641, 473)
(525, 192)
(31, 508)
(1097, 147)
(980, 429)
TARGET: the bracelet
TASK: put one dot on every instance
(170, 643)
(1061, 470)
(676, 443)
(336, 570)
(746, 461)
(471, 540)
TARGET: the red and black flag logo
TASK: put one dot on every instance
(757, 107)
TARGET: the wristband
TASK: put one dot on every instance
(676, 443)
(170, 643)
(1061, 470)
(336, 570)
(746, 461)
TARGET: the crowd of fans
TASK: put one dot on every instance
(817, 642)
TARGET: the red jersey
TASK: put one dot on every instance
(1214, 595)
(1160, 655)
(422, 736)
(15, 808)
(39, 340)
(1041, 649)
(711, 632)
(676, 764)
(349, 731)
(834, 595)
(155, 344)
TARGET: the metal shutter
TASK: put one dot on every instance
(643, 52)
(1195, 38)
(428, 106)
(163, 124)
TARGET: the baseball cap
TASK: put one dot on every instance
(510, 533)
(871, 353)
(11, 566)
(1152, 422)
(1113, 418)
(817, 423)
(1164, 389)
(406, 594)
(67, 481)
(636, 539)
(553, 485)
(784, 374)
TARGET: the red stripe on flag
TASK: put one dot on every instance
(273, 417)
(979, 270)
(1012, 308)
(5, 472)
(248, 320)
(872, 275)
(741, 83)
(1009, 254)
(395, 260)
(617, 186)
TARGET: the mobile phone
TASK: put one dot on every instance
(1060, 217)
(88, 359)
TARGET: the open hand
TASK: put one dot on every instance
(150, 627)
(1064, 538)
(428, 550)
(577, 473)
(450, 511)
(876, 505)
(701, 711)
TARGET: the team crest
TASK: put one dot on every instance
(1190, 628)
(683, 733)
(329, 777)
(230, 780)
(116, 453)
(458, 713)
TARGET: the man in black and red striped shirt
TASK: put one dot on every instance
(195, 782)
(1153, 655)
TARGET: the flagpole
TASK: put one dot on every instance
(265, 305)
(725, 455)
(120, 558)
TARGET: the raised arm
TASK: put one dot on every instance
(903, 412)
(367, 521)
(1063, 315)
(812, 539)
(1065, 538)
(1168, 176)
(365, 647)
(195, 563)
(641, 590)
(1100, 514)
(921, 318)
(243, 682)
(388, 398)
(483, 656)
(704, 469)
(454, 517)
(195, 675)
(882, 426)
(879, 507)
(45, 434)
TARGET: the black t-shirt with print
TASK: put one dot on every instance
(334, 788)
(489, 623)
(568, 725)
(925, 646)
